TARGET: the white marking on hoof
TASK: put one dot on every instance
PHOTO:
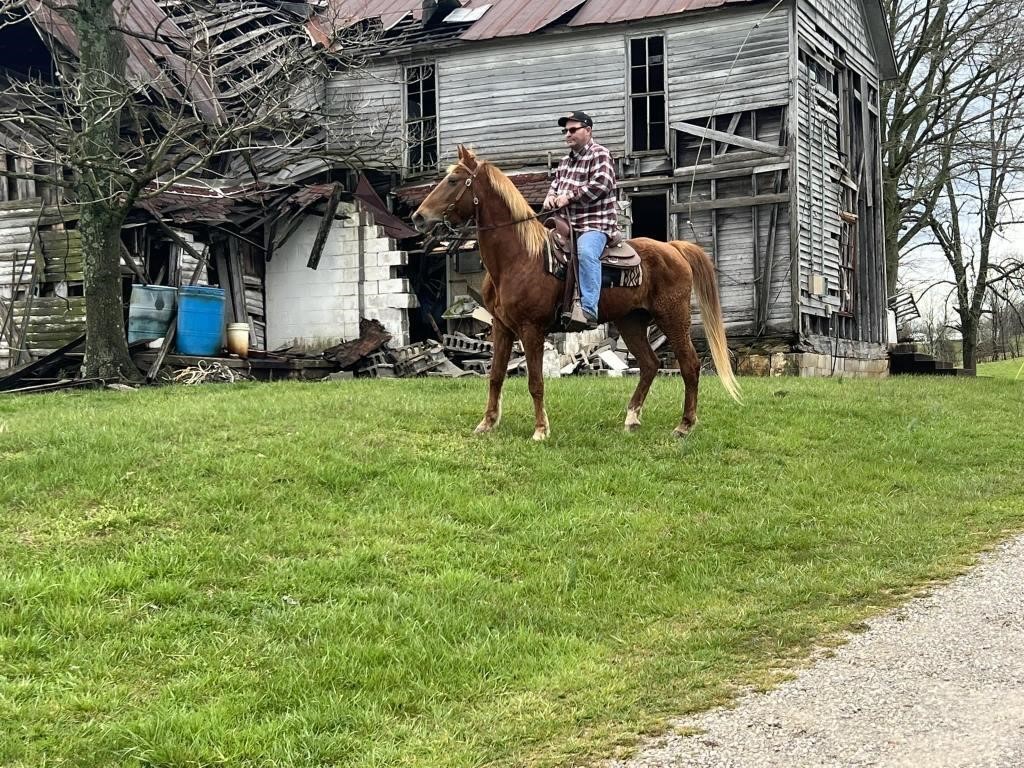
(540, 434)
(632, 419)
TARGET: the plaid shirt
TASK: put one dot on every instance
(588, 178)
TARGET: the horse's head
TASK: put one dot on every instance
(452, 202)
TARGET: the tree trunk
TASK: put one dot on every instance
(101, 190)
(891, 233)
(106, 347)
(969, 343)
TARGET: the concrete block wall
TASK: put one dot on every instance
(810, 364)
(358, 275)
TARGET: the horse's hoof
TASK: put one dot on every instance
(540, 435)
(482, 429)
(680, 432)
(631, 428)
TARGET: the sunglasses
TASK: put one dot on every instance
(572, 131)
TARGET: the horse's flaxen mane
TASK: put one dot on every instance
(531, 232)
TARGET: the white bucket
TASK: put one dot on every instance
(238, 339)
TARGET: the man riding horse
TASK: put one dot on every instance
(584, 187)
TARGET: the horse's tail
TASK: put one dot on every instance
(706, 287)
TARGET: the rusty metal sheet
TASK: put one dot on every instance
(613, 11)
(507, 18)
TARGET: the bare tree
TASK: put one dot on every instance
(953, 149)
(143, 99)
(942, 52)
(983, 192)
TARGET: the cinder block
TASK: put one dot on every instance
(397, 285)
(377, 273)
(393, 258)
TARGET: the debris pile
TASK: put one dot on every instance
(591, 353)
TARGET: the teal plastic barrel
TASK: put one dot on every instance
(200, 319)
(150, 311)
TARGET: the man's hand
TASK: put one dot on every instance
(551, 201)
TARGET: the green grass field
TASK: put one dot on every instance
(1004, 369)
(341, 574)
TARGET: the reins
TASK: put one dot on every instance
(460, 233)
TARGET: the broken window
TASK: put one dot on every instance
(421, 118)
(647, 93)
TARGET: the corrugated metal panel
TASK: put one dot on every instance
(514, 17)
(613, 11)
(508, 18)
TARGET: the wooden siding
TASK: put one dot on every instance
(818, 170)
(823, 23)
(727, 233)
(504, 99)
(367, 115)
(704, 74)
(52, 322)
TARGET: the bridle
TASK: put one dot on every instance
(460, 233)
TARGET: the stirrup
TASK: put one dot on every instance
(575, 320)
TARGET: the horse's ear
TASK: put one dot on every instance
(462, 151)
(467, 156)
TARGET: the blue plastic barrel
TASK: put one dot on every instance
(150, 311)
(200, 319)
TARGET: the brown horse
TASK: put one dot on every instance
(524, 298)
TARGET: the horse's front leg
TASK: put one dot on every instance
(533, 346)
(502, 337)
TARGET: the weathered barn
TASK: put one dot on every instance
(751, 127)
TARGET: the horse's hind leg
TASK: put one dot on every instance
(502, 337)
(633, 329)
(676, 327)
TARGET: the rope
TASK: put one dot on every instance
(204, 372)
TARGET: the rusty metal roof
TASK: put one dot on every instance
(508, 18)
(612, 11)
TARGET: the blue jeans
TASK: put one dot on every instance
(589, 247)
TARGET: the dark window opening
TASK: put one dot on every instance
(24, 52)
(647, 93)
(650, 216)
(421, 118)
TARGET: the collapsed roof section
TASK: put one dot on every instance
(237, 40)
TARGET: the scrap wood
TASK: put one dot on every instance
(53, 386)
(372, 336)
(42, 367)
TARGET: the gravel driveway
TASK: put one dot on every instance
(937, 683)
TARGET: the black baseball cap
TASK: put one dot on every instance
(579, 117)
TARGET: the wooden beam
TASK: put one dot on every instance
(325, 227)
(730, 202)
(728, 171)
(129, 260)
(728, 138)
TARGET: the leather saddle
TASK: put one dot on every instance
(618, 253)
